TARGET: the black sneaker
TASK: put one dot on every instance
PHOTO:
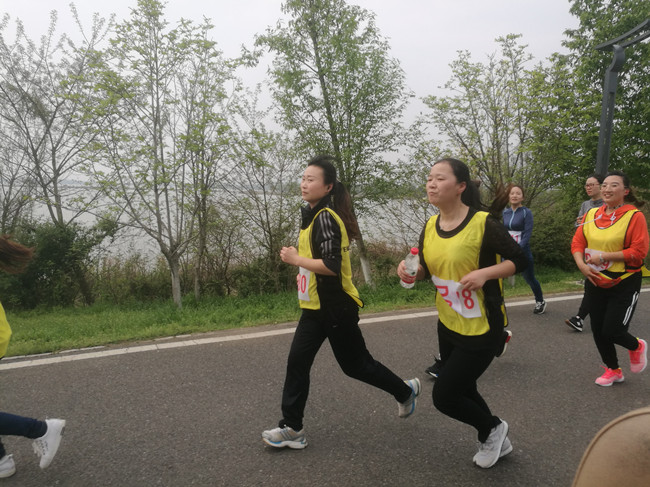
(540, 307)
(434, 370)
(507, 335)
(575, 322)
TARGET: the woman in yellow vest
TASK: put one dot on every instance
(330, 305)
(609, 247)
(46, 434)
(461, 250)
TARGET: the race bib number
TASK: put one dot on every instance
(462, 301)
(515, 235)
(303, 284)
(597, 267)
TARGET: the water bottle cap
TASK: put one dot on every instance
(414, 250)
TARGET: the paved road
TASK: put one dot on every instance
(165, 414)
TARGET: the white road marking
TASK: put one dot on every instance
(98, 352)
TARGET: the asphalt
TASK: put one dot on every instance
(190, 411)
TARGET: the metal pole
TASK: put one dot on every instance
(618, 45)
(607, 111)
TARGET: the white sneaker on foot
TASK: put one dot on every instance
(7, 466)
(281, 437)
(490, 451)
(505, 448)
(47, 445)
(406, 408)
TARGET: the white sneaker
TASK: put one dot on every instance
(505, 448)
(406, 408)
(281, 437)
(7, 466)
(490, 451)
(47, 445)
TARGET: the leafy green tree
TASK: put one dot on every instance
(205, 139)
(601, 21)
(338, 88)
(157, 91)
(498, 117)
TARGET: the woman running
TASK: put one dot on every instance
(519, 221)
(330, 305)
(46, 434)
(462, 250)
(609, 247)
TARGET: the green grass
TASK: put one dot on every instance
(70, 328)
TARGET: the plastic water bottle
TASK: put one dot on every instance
(412, 263)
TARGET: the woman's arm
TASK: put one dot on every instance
(528, 228)
(587, 271)
(475, 279)
(496, 241)
(290, 256)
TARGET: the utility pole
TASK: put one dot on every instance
(618, 46)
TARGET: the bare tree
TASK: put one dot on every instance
(262, 182)
(43, 127)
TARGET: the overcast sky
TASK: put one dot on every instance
(424, 34)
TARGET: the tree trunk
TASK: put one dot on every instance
(175, 267)
(365, 262)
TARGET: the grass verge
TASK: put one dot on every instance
(53, 330)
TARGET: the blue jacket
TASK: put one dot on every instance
(519, 220)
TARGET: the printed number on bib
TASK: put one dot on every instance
(303, 284)
(516, 235)
(462, 301)
(597, 267)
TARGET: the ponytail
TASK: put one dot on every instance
(14, 257)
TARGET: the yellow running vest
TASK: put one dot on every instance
(307, 292)
(448, 260)
(5, 332)
(609, 239)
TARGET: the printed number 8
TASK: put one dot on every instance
(468, 301)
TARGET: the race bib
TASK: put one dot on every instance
(303, 284)
(597, 267)
(462, 301)
(515, 235)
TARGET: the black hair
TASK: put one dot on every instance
(598, 177)
(471, 195)
(630, 197)
(340, 197)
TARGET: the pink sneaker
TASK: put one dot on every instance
(639, 357)
(609, 377)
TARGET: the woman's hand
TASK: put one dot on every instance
(589, 272)
(401, 271)
(405, 276)
(596, 259)
(289, 255)
(474, 280)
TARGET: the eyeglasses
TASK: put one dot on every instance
(590, 185)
